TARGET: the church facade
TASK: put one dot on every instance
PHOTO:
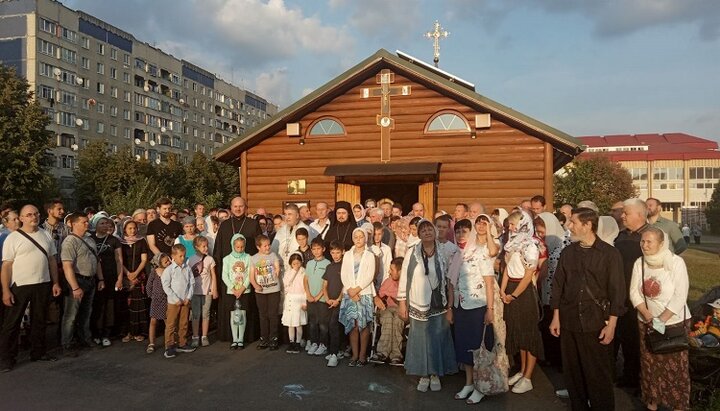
(394, 127)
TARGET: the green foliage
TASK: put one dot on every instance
(118, 182)
(712, 212)
(24, 140)
(597, 179)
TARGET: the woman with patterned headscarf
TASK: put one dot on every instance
(520, 297)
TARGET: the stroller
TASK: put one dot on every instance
(704, 361)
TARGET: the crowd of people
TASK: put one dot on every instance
(508, 282)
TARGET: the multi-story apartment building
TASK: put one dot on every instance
(97, 82)
(680, 170)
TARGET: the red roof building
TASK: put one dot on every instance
(679, 169)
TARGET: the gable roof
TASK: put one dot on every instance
(566, 147)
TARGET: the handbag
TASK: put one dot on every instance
(673, 340)
(488, 377)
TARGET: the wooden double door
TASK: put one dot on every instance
(403, 192)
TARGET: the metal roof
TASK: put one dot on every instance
(566, 147)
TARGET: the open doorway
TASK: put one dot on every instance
(399, 192)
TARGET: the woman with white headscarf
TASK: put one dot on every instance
(520, 297)
(658, 290)
(607, 229)
(423, 296)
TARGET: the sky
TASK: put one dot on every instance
(582, 66)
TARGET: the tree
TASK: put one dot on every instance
(24, 142)
(712, 212)
(598, 179)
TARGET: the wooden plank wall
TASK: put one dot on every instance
(500, 167)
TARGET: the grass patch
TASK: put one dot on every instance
(703, 269)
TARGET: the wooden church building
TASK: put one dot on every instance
(395, 127)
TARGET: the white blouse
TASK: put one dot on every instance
(477, 264)
(667, 289)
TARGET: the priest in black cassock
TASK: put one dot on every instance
(238, 222)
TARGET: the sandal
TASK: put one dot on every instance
(150, 348)
(127, 338)
(139, 338)
(475, 398)
(465, 392)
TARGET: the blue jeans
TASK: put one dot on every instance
(77, 313)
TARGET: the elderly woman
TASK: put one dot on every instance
(658, 290)
(476, 312)
(424, 297)
(518, 292)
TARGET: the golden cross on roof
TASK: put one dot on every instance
(437, 33)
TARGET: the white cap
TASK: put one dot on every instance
(715, 304)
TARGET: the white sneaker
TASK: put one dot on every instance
(515, 378)
(435, 383)
(311, 348)
(327, 357)
(341, 355)
(522, 386)
(106, 342)
(321, 350)
(332, 361)
(302, 343)
(423, 384)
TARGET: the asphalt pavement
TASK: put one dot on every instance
(124, 377)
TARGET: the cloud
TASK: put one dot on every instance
(608, 18)
(274, 86)
(231, 33)
(383, 19)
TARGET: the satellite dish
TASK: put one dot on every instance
(137, 157)
(79, 122)
(79, 80)
(182, 101)
(137, 141)
(163, 129)
(74, 147)
(92, 102)
(157, 160)
(57, 72)
(146, 88)
(152, 143)
(242, 121)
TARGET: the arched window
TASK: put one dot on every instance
(447, 122)
(326, 126)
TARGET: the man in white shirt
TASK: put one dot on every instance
(285, 242)
(29, 276)
(322, 223)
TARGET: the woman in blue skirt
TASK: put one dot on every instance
(423, 297)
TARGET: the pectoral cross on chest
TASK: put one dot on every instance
(385, 78)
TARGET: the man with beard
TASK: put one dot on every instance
(162, 232)
(342, 230)
(677, 243)
(55, 226)
(237, 223)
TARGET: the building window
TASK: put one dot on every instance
(113, 92)
(113, 132)
(113, 53)
(126, 114)
(100, 68)
(85, 43)
(66, 119)
(126, 132)
(85, 63)
(668, 173)
(126, 97)
(327, 127)
(100, 108)
(126, 78)
(638, 174)
(100, 88)
(447, 122)
(45, 92)
(100, 127)
(126, 59)
(704, 173)
(47, 48)
(113, 73)
(100, 48)
(113, 111)
(69, 56)
(69, 35)
(68, 99)
(48, 26)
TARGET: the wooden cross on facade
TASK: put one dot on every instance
(385, 78)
